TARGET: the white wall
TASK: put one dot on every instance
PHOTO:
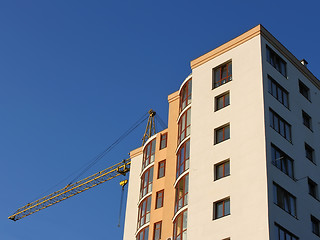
(246, 185)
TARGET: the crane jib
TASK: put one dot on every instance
(73, 189)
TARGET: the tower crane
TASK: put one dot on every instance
(80, 186)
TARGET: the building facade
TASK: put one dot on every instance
(240, 157)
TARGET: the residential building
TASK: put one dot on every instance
(240, 157)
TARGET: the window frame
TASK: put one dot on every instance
(315, 225)
(185, 101)
(145, 234)
(312, 188)
(183, 216)
(279, 90)
(224, 80)
(155, 228)
(183, 125)
(304, 90)
(163, 140)
(280, 122)
(306, 120)
(183, 199)
(183, 162)
(224, 137)
(224, 102)
(279, 228)
(224, 212)
(309, 151)
(146, 184)
(144, 211)
(149, 153)
(223, 164)
(283, 159)
(285, 201)
(161, 166)
(159, 199)
(275, 61)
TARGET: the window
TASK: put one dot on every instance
(157, 231)
(282, 161)
(283, 234)
(304, 90)
(183, 158)
(182, 189)
(180, 226)
(222, 74)
(222, 101)
(163, 140)
(184, 125)
(185, 95)
(315, 223)
(144, 211)
(148, 153)
(276, 61)
(143, 234)
(221, 208)
(222, 169)
(306, 120)
(309, 152)
(313, 188)
(161, 168)
(159, 199)
(280, 125)
(284, 199)
(278, 92)
(222, 134)
(146, 182)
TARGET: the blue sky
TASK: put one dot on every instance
(75, 75)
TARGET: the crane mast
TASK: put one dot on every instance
(73, 189)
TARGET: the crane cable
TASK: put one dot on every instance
(88, 165)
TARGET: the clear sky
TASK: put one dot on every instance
(75, 75)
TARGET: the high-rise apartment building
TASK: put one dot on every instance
(240, 157)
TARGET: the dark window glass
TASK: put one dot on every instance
(222, 101)
(280, 125)
(282, 161)
(284, 199)
(304, 90)
(161, 169)
(222, 170)
(276, 61)
(313, 188)
(222, 134)
(306, 120)
(221, 208)
(222, 74)
(315, 224)
(278, 92)
(309, 152)
(283, 234)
